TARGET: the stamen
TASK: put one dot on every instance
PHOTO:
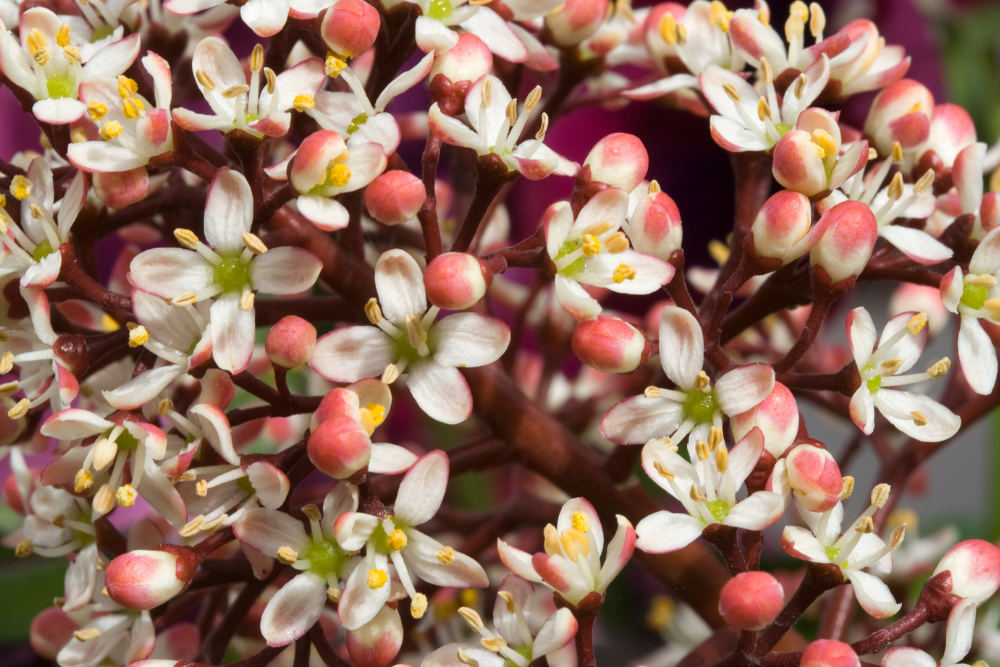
(622, 273)
(472, 618)
(697, 495)
(654, 187)
(714, 437)
(333, 65)
(985, 280)
(126, 495)
(235, 91)
(896, 152)
(96, 110)
(246, 301)
(138, 336)
(650, 392)
(20, 187)
(880, 494)
(82, 481)
(616, 243)
(507, 597)
(919, 418)
(446, 555)
(253, 242)
(763, 109)
(289, 556)
(201, 488)
(390, 374)
(591, 245)
(896, 187)
(20, 409)
(257, 58)
(702, 381)
(817, 22)
(303, 102)
(494, 644)
(940, 368)
(104, 500)
(668, 29)
(86, 634)
(722, 458)
(848, 488)
(465, 659)
(418, 605)
(192, 526)
(731, 92)
(24, 549)
(916, 323)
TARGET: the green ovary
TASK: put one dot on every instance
(245, 484)
(439, 9)
(325, 558)
(832, 553)
(357, 122)
(232, 274)
(783, 128)
(381, 540)
(875, 383)
(41, 251)
(718, 508)
(59, 86)
(524, 651)
(101, 33)
(577, 266)
(974, 296)
(126, 441)
(700, 406)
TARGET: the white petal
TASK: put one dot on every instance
(99, 156)
(169, 272)
(517, 561)
(639, 419)
(422, 489)
(744, 455)
(232, 333)
(909, 347)
(400, 286)
(496, 34)
(906, 656)
(142, 388)
(81, 578)
(619, 552)
(440, 391)
(295, 608)
(575, 300)
(681, 334)
(388, 459)
(662, 87)
(942, 423)
(733, 136)
(861, 335)
(60, 111)
(469, 340)
(663, 531)
(405, 81)
(916, 244)
(800, 543)
(349, 354)
(284, 270)
(432, 35)
(977, 355)
(462, 572)
(326, 213)
(359, 603)
(557, 631)
(265, 17)
(267, 531)
(453, 131)
(743, 388)
(73, 424)
(759, 511)
(873, 595)
(228, 211)
(353, 529)
(862, 409)
(961, 626)
(986, 258)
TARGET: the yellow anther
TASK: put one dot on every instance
(373, 311)
(717, 14)
(164, 406)
(764, 18)
(817, 21)
(138, 336)
(551, 541)
(24, 549)
(702, 381)
(825, 140)
(333, 594)
(731, 91)
(468, 597)
(697, 495)
(668, 29)
(59, 521)
(722, 458)
(257, 58)
(622, 273)
(472, 618)
(591, 245)
(254, 244)
(898, 534)
(201, 488)
(511, 111)
(662, 611)
(795, 27)
(880, 494)
(127, 87)
(192, 527)
(396, 540)
(111, 130)
(924, 182)
(246, 301)
(714, 437)
(333, 65)
(494, 644)
(581, 522)
(376, 578)
(651, 392)
(6, 362)
(701, 449)
(126, 495)
(616, 243)
(83, 480)
(72, 54)
(663, 470)
(865, 525)
(896, 187)
(919, 418)
(20, 409)
(20, 187)
(916, 323)
(532, 100)
(485, 93)
(96, 110)
(507, 597)
(104, 500)
(272, 80)
(763, 109)
(287, 555)
(904, 515)
(36, 41)
(985, 280)
(132, 108)
(848, 487)
(340, 175)
(377, 411)
(303, 102)
(718, 251)
(800, 85)
(390, 374)
(204, 79)
(654, 187)
(418, 605)
(312, 512)
(800, 9)
(86, 634)
(599, 227)
(186, 238)
(445, 555)
(940, 368)
(466, 659)
(896, 152)
(63, 35)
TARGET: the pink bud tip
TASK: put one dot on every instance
(454, 281)
(340, 447)
(751, 600)
(655, 226)
(815, 477)
(974, 567)
(620, 160)
(12, 495)
(146, 579)
(350, 27)
(576, 20)
(376, 643)
(610, 345)
(901, 112)
(395, 197)
(847, 241)
(290, 342)
(340, 402)
(782, 222)
(829, 653)
(777, 416)
(797, 165)
(469, 60)
(51, 630)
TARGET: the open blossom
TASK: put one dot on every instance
(497, 127)
(394, 538)
(264, 17)
(696, 406)
(181, 335)
(260, 108)
(571, 565)
(882, 369)
(867, 63)
(707, 488)
(48, 64)
(521, 635)
(967, 174)
(408, 340)
(857, 549)
(436, 28)
(230, 268)
(974, 566)
(592, 250)
(320, 561)
(808, 158)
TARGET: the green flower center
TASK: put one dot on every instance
(126, 441)
(524, 651)
(381, 540)
(357, 122)
(41, 251)
(245, 484)
(101, 33)
(568, 248)
(232, 274)
(249, 118)
(700, 405)
(832, 553)
(974, 296)
(875, 383)
(325, 558)
(59, 86)
(440, 9)
(719, 509)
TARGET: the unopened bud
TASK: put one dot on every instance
(846, 244)
(620, 160)
(610, 345)
(751, 600)
(339, 447)
(350, 27)
(290, 342)
(454, 281)
(814, 477)
(395, 197)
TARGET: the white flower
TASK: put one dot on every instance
(571, 565)
(496, 128)
(906, 656)
(707, 490)
(857, 549)
(695, 406)
(902, 341)
(181, 335)
(264, 17)
(409, 340)
(316, 555)
(233, 266)
(436, 27)
(591, 250)
(48, 64)
(395, 539)
(251, 108)
(973, 296)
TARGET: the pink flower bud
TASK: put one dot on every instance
(146, 579)
(290, 342)
(340, 402)
(847, 241)
(777, 416)
(469, 60)
(815, 477)
(901, 112)
(313, 159)
(610, 345)
(829, 653)
(340, 447)
(395, 197)
(974, 567)
(655, 226)
(576, 20)
(619, 159)
(751, 600)
(377, 642)
(350, 27)
(51, 630)
(798, 164)
(454, 281)
(780, 226)
(951, 131)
